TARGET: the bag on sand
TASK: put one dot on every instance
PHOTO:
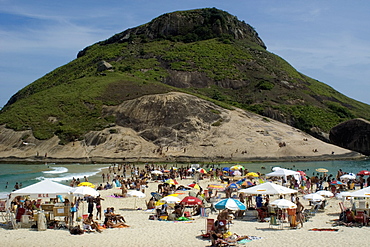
(76, 230)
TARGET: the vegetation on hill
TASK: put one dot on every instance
(211, 60)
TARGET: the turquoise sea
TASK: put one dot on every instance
(28, 174)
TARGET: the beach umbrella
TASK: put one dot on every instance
(364, 172)
(233, 186)
(247, 183)
(83, 191)
(237, 167)
(348, 176)
(302, 173)
(171, 181)
(313, 197)
(156, 196)
(191, 201)
(170, 200)
(321, 170)
(268, 189)
(237, 173)
(283, 203)
(337, 183)
(202, 170)
(156, 172)
(226, 169)
(87, 184)
(216, 187)
(194, 185)
(240, 182)
(230, 203)
(136, 194)
(252, 174)
(191, 169)
(325, 193)
(174, 168)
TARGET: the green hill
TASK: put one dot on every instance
(206, 52)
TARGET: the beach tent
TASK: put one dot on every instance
(43, 189)
(365, 192)
(268, 189)
(285, 173)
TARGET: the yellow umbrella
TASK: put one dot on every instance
(321, 170)
(87, 184)
(237, 167)
(252, 174)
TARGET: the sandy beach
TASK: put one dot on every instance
(145, 232)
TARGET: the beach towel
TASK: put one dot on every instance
(324, 229)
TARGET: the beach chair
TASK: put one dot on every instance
(210, 226)
(262, 215)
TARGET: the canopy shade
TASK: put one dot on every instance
(268, 189)
(43, 189)
(365, 192)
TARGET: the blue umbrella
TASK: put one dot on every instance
(226, 169)
(231, 204)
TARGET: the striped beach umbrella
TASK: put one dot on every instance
(171, 181)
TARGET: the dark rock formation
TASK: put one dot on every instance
(353, 134)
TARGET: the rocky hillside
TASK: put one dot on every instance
(175, 127)
(115, 84)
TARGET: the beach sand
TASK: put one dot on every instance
(145, 232)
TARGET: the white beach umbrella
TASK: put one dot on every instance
(170, 199)
(283, 203)
(136, 194)
(325, 193)
(156, 172)
(348, 177)
(313, 197)
(83, 191)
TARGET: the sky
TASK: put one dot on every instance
(325, 40)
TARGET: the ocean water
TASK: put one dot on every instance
(28, 174)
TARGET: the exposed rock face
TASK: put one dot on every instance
(103, 65)
(353, 134)
(165, 119)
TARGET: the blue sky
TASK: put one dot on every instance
(326, 40)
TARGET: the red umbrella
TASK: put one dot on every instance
(191, 200)
(364, 172)
(302, 173)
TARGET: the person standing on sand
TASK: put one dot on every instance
(98, 200)
(299, 212)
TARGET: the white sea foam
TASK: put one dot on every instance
(70, 176)
(56, 170)
(4, 195)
